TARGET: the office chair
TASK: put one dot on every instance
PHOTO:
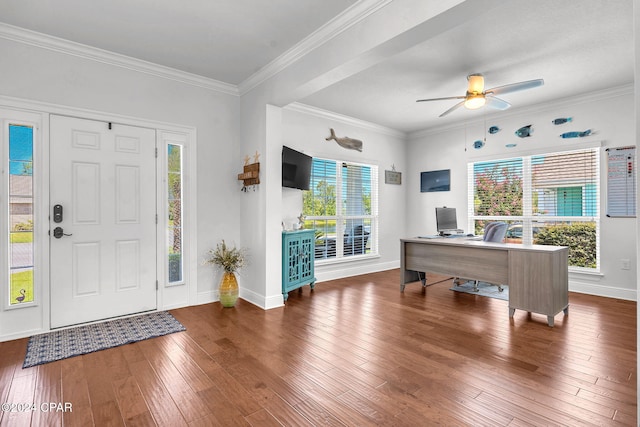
(355, 243)
(493, 232)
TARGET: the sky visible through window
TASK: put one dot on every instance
(20, 150)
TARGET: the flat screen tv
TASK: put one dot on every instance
(296, 169)
(435, 181)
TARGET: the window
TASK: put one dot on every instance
(21, 249)
(175, 211)
(550, 199)
(342, 206)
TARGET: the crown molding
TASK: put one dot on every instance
(533, 109)
(351, 16)
(330, 115)
(67, 47)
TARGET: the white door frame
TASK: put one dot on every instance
(168, 297)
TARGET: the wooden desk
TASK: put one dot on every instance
(537, 275)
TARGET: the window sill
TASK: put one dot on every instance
(587, 272)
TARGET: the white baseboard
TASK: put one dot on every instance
(207, 297)
(603, 291)
(354, 270)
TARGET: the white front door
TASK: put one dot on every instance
(103, 245)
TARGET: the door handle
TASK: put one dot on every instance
(58, 232)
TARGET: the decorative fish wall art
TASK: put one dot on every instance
(478, 144)
(576, 134)
(561, 120)
(510, 145)
(524, 131)
(494, 129)
(345, 142)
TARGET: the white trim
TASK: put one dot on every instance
(67, 47)
(345, 20)
(43, 111)
(354, 270)
(602, 291)
(352, 121)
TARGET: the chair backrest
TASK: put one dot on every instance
(495, 231)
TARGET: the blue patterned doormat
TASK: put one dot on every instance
(85, 339)
(484, 290)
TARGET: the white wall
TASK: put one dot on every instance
(47, 76)
(609, 114)
(306, 132)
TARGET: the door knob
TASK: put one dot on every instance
(58, 232)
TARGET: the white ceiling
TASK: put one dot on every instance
(225, 40)
(576, 46)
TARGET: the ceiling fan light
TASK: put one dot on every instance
(474, 102)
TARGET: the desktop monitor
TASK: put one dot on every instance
(446, 219)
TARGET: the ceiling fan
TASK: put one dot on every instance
(477, 97)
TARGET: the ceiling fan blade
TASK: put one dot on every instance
(441, 99)
(497, 103)
(455, 107)
(514, 87)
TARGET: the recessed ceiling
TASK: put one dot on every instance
(576, 46)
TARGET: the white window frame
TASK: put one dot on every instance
(341, 217)
(175, 294)
(33, 120)
(528, 218)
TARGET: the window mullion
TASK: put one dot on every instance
(339, 213)
(527, 201)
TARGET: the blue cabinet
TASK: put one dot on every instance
(298, 249)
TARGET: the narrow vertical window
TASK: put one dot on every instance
(20, 214)
(175, 210)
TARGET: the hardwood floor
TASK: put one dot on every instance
(353, 352)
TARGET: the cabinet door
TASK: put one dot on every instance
(307, 250)
(292, 259)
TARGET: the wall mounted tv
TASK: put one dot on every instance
(435, 181)
(296, 169)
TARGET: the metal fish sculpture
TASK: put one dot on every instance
(494, 129)
(524, 131)
(478, 144)
(561, 120)
(510, 145)
(345, 142)
(576, 134)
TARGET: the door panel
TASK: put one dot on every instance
(105, 263)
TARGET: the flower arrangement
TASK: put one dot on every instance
(229, 259)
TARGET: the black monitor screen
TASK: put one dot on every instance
(446, 219)
(434, 181)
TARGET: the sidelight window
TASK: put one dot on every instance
(175, 211)
(20, 211)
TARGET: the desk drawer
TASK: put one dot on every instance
(471, 262)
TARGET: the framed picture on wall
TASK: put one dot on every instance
(393, 177)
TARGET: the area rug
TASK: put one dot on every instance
(85, 339)
(484, 290)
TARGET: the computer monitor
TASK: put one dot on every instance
(446, 219)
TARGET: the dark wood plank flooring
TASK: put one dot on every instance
(353, 352)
